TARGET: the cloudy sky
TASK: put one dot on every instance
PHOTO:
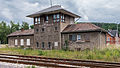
(90, 10)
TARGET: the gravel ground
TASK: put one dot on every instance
(11, 65)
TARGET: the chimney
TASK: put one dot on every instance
(22, 29)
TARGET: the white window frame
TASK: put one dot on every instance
(78, 37)
(55, 43)
(28, 42)
(22, 42)
(16, 42)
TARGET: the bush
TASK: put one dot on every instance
(31, 67)
(40, 52)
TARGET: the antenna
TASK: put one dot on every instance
(51, 3)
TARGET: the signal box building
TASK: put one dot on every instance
(54, 28)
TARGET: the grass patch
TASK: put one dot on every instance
(107, 54)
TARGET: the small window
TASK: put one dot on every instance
(43, 29)
(43, 45)
(55, 43)
(108, 39)
(39, 20)
(22, 41)
(37, 30)
(73, 37)
(46, 19)
(35, 20)
(49, 44)
(56, 28)
(37, 44)
(28, 41)
(78, 37)
(16, 42)
(58, 16)
(54, 16)
(62, 18)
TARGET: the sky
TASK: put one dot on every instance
(107, 11)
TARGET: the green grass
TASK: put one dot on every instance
(107, 54)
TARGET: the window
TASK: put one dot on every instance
(22, 41)
(16, 42)
(78, 37)
(62, 18)
(73, 37)
(49, 44)
(37, 44)
(56, 18)
(39, 20)
(46, 19)
(55, 28)
(55, 43)
(28, 41)
(35, 20)
(37, 30)
(87, 37)
(43, 30)
(108, 39)
(43, 45)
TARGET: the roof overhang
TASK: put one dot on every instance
(98, 30)
(55, 11)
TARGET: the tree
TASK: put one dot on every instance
(31, 26)
(25, 25)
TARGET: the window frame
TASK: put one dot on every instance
(108, 39)
(56, 18)
(28, 44)
(46, 18)
(37, 44)
(43, 29)
(43, 45)
(62, 18)
(78, 37)
(49, 45)
(16, 42)
(22, 42)
(73, 37)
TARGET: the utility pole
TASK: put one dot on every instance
(117, 40)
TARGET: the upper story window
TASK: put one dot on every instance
(46, 19)
(56, 18)
(37, 20)
(62, 18)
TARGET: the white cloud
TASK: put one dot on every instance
(90, 10)
(6, 13)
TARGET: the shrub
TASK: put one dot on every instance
(40, 52)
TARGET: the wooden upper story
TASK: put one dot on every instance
(54, 14)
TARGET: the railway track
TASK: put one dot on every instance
(56, 62)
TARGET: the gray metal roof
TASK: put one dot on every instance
(53, 9)
(113, 33)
